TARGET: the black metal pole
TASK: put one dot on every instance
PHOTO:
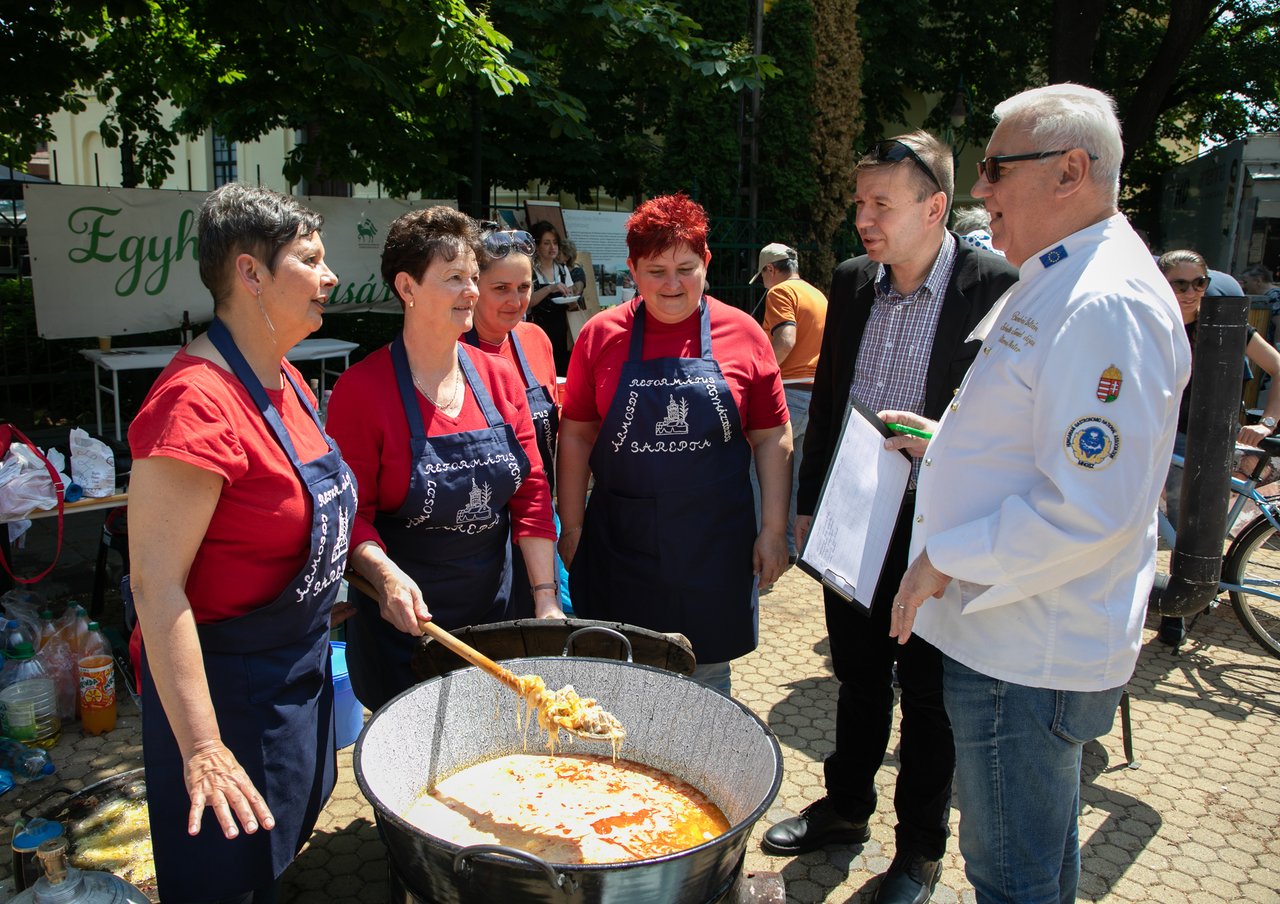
(1217, 370)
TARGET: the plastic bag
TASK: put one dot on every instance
(93, 464)
(25, 483)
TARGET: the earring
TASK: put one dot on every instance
(410, 302)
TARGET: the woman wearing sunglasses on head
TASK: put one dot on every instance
(1188, 275)
(506, 281)
(442, 444)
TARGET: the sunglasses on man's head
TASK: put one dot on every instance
(500, 244)
(895, 151)
(990, 166)
(1200, 283)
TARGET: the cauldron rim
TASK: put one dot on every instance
(743, 825)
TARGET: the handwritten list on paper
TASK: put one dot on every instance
(857, 511)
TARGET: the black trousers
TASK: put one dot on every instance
(863, 655)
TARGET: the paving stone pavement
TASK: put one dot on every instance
(1197, 822)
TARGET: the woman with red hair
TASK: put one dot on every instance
(668, 396)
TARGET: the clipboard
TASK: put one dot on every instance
(858, 509)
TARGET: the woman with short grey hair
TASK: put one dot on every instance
(239, 511)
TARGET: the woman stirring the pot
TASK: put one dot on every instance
(668, 398)
(500, 329)
(442, 445)
(239, 511)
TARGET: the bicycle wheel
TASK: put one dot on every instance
(1252, 575)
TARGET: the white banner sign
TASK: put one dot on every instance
(115, 261)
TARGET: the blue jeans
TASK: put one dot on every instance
(1018, 782)
(798, 409)
(715, 675)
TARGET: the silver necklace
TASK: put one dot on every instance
(453, 396)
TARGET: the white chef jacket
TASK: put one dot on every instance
(1038, 492)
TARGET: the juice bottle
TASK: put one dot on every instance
(97, 696)
(47, 628)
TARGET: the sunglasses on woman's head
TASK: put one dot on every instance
(895, 151)
(1186, 285)
(500, 244)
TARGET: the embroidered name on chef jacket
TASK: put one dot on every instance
(1092, 442)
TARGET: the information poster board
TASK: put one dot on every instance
(116, 261)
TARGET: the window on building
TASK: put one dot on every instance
(224, 161)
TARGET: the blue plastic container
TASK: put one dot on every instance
(348, 714)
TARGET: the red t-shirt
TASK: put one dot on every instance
(537, 350)
(738, 345)
(366, 419)
(260, 533)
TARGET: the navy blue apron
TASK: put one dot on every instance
(269, 677)
(451, 536)
(546, 424)
(670, 526)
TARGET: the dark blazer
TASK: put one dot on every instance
(978, 279)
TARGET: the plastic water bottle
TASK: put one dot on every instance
(26, 763)
(29, 704)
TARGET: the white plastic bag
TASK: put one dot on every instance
(93, 465)
(25, 484)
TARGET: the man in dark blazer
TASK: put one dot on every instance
(897, 326)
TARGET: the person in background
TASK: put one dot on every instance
(897, 337)
(1034, 539)
(506, 280)
(795, 313)
(668, 398)
(569, 257)
(239, 514)
(1259, 280)
(551, 281)
(972, 225)
(446, 460)
(1189, 277)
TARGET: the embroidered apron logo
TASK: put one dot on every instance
(477, 507)
(677, 420)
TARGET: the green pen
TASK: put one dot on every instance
(909, 431)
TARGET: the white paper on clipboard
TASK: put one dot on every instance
(857, 510)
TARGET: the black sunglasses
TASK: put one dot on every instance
(895, 151)
(1200, 283)
(500, 243)
(990, 166)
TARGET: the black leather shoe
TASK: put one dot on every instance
(1173, 630)
(817, 824)
(910, 880)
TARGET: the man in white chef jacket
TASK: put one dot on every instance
(1034, 540)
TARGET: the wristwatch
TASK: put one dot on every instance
(1269, 423)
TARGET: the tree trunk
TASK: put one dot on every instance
(1188, 22)
(1073, 39)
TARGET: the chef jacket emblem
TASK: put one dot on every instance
(1109, 384)
(1052, 256)
(1092, 442)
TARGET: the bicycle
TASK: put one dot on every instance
(1251, 566)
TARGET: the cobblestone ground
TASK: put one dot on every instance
(1197, 821)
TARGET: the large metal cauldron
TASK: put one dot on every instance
(673, 724)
